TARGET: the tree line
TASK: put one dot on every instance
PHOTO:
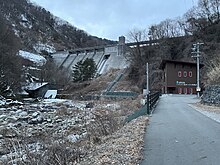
(206, 13)
(175, 38)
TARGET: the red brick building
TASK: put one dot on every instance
(179, 77)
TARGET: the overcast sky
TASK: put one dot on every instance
(113, 18)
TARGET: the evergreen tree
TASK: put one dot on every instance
(84, 70)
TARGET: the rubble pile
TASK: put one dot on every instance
(33, 125)
(74, 132)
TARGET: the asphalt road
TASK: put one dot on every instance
(179, 135)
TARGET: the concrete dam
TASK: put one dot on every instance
(105, 57)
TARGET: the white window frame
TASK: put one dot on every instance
(179, 73)
(190, 73)
(185, 73)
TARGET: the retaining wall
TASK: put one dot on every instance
(211, 95)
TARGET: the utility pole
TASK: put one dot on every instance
(195, 50)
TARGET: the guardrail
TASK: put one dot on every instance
(147, 108)
(151, 101)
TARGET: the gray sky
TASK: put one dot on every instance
(113, 18)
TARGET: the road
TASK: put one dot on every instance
(180, 135)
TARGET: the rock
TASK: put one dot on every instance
(3, 117)
(35, 114)
(58, 120)
(4, 150)
(12, 119)
(49, 125)
(90, 105)
(23, 113)
(18, 111)
(8, 132)
(37, 120)
(73, 138)
(49, 120)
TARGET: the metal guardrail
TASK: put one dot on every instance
(146, 109)
(151, 101)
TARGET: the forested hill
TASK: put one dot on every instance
(34, 25)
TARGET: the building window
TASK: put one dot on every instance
(179, 74)
(190, 73)
(185, 73)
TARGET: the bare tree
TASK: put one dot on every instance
(10, 63)
(166, 29)
(136, 56)
(209, 9)
(137, 36)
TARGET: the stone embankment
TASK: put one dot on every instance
(211, 95)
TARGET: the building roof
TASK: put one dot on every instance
(35, 85)
(164, 62)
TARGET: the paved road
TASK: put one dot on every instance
(179, 135)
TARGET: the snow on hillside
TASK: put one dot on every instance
(39, 47)
(60, 22)
(36, 58)
(24, 22)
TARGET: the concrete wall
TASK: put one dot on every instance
(105, 59)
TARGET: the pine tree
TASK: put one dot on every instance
(84, 70)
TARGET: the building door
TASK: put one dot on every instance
(191, 90)
(185, 91)
(180, 90)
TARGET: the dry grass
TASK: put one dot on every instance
(213, 75)
(96, 86)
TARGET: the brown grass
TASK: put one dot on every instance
(99, 84)
(213, 75)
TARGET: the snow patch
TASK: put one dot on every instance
(24, 22)
(39, 47)
(50, 101)
(73, 138)
(36, 58)
(34, 86)
(51, 94)
(23, 18)
(60, 21)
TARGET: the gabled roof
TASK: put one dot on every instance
(164, 62)
(35, 85)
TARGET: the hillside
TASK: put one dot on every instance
(38, 28)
